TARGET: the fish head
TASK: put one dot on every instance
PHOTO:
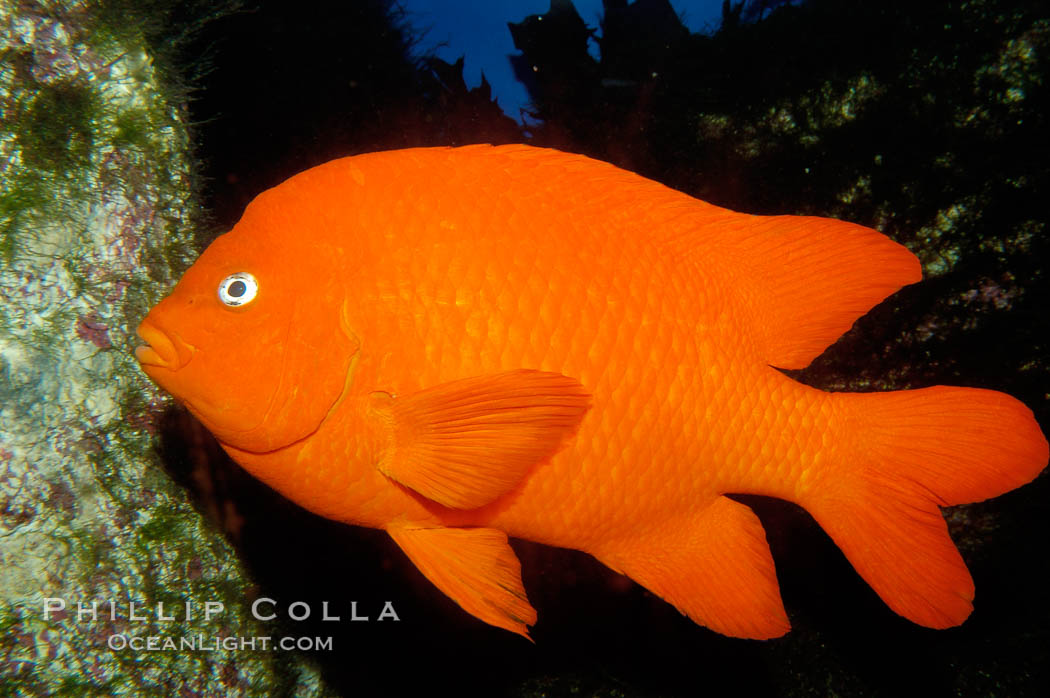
(251, 339)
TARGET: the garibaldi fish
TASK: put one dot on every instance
(457, 345)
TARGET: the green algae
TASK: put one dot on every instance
(57, 132)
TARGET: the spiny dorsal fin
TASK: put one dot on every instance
(803, 280)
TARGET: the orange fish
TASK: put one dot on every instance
(457, 345)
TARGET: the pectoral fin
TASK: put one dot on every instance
(475, 567)
(465, 443)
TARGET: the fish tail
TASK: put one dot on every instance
(912, 452)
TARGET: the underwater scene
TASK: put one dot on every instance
(525, 348)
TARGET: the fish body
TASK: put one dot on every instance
(461, 345)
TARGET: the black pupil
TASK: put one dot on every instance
(237, 289)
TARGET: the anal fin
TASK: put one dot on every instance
(475, 567)
(715, 568)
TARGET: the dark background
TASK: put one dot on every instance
(925, 120)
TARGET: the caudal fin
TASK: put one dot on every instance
(910, 453)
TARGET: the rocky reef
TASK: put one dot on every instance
(99, 550)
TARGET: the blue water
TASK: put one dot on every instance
(478, 31)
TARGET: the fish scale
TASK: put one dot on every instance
(486, 342)
(450, 352)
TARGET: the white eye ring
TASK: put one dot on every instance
(238, 289)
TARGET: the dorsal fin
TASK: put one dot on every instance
(809, 279)
(804, 280)
(814, 277)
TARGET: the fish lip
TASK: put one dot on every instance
(147, 356)
(160, 349)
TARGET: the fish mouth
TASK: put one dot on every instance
(161, 350)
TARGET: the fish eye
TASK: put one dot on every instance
(238, 289)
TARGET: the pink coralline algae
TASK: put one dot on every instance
(90, 329)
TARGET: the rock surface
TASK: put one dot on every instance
(96, 215)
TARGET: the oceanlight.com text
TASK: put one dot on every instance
(210, 643)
